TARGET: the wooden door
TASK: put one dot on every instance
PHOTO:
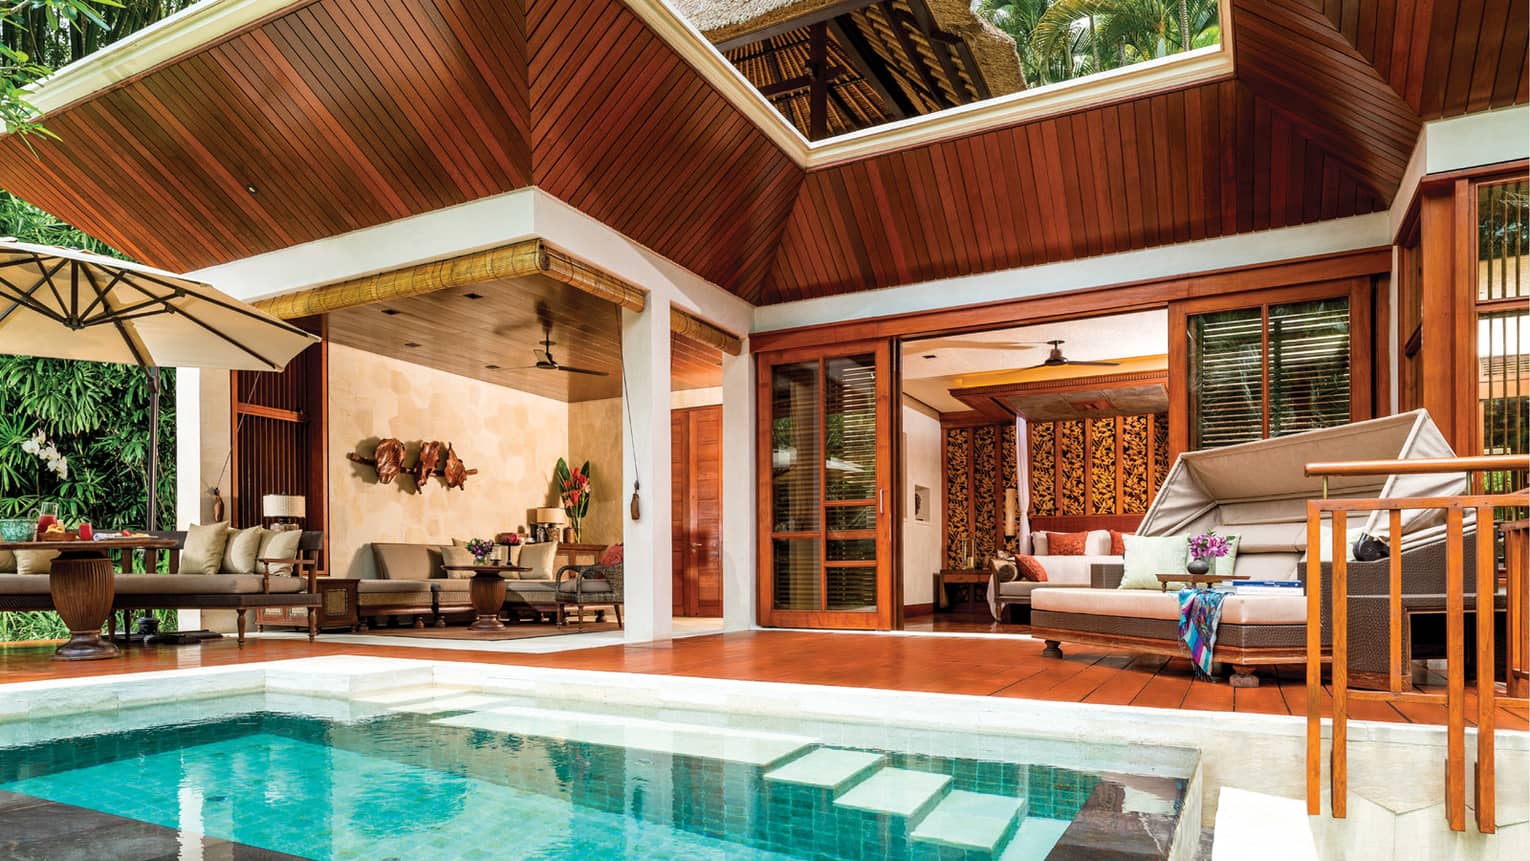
(827, 420)
(696, 506)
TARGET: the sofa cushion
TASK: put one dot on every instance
(35, 561)
(1144, 604)
(1020, 588)
(239, 551)
(456, 555)
(1039, 544)
(397, 561)
(1118, 542)
(1097, 542)
(613, 555)
(277, 544)
(1146, 557)
(202, 552)
(538, 559)
(1031, 569)
(203, 584)
(23, 584)
(7, 562)
(393, 593)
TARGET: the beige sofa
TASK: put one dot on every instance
(1061, 571)
(1257, 491)
(413, 582)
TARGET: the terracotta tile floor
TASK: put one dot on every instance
(963, 665)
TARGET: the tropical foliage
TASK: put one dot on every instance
(1063, 39)
(37, 36)
(95, 416)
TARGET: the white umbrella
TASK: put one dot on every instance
(67, 304)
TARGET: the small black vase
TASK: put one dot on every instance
(1198, 566)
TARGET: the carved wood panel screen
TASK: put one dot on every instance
(1104, 466)
(978, 469)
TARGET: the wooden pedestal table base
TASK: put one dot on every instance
(487, 590)
(83, 583)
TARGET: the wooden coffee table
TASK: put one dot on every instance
(1197, 579)
(487, 590)
(83, 584)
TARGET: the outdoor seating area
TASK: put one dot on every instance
(620, 428)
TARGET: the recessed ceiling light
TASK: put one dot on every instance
(928, 356)
(390, 311)
(411, 344)
(251, 188)
(472, 295)
(491, 367)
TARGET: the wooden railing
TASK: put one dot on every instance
(1482, 507)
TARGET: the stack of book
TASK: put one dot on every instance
(1267, 587)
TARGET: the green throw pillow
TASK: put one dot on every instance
(1146, 557)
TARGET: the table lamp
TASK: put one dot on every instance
(546, 522)
(285, 509)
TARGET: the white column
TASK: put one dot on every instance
(188, 465)
(739, 492)
(646, 455)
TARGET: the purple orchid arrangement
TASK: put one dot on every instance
(480, 549)
(1208, 546)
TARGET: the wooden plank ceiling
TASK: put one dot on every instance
(342, 114)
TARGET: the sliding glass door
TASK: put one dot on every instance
(827, 486)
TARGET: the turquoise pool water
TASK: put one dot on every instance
(456, 784)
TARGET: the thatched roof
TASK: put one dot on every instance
(921, 55)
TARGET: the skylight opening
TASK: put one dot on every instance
(832, 68)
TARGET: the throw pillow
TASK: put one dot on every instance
(239, 552)
(1067, 543)
(613, 555)
(1031, 569)
(278, 545)
(203, 550)
(452, 554)
(1039, 543)
(1006, 570)
(1117, 546)
(7, 562)
(35, 561)
(1147, 557)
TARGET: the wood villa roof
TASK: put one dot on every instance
(343, 114)
(882, 60)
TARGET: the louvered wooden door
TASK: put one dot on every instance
(827, 487)
(696, 510)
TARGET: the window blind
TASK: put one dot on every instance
(1226, 377)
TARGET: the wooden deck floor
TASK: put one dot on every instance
(939, 664)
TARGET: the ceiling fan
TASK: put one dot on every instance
(546, 362)
(1057, 360)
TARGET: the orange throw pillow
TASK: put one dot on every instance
(1066, 543)
(1118, 542)
(613, 555)
(1030, 569)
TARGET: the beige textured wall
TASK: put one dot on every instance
(595, 433)
(511, 437)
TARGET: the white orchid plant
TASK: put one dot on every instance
(48, 453)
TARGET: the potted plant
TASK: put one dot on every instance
(1203, 549)
(574, 493)
(480, 549)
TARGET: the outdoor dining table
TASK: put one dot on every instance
(83, 584)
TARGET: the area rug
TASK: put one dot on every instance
(523, 631)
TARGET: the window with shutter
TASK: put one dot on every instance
(1269, 370)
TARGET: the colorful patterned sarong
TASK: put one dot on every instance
(1199, 612)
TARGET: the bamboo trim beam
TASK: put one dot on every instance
(690, 326)
(518, 260)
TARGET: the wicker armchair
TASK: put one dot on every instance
(581, 586)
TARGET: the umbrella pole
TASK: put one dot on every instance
(152, 520)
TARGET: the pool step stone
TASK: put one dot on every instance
(970, 820)
(761, 749)
(896, 792)
(828, 768)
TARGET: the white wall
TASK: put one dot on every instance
(921, 465)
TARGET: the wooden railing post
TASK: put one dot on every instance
(1314, 588)
(1487, 706)
(1455, 672)
(1394, 605)
(1338, 611)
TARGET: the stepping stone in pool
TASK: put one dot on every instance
(827, 768)
(896, 791)
(970, 820)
